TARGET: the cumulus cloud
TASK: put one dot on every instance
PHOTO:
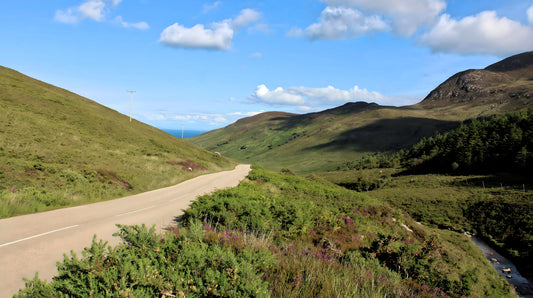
(305, 96)
(484, 33)
(95, 10)
(406, 16)
(90, 9)
(341, 23)
(244, 19)
(139, 25)
(217, 36)
(344, 19)
(331, 94)
(278, 96)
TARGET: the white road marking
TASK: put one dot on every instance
(135, 211)
(38, 235)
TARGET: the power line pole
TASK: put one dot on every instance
(131, 102)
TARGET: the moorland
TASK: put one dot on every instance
(359, 200)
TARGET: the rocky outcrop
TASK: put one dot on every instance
(502, 83)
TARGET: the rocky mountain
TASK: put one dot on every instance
(504, 86)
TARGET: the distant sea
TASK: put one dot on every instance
(186, 133)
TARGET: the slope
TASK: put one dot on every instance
(502, 87)
(60, 149)
(325, 140)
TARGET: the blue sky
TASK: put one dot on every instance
(205, 64)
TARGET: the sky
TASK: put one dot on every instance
(202, 65)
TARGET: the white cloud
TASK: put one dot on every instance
(484, 33)
(198, 37)
(208, 7)
(115, 2)
(277, 96)
(90, 9)
(341, 23)
(68, 16)
(139, 25)
(246, 17)
(304, 97)
(331, 94)
(218, 36)
(245, 114)
(406, 15)
(95, 10)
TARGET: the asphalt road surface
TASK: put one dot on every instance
(35, 242)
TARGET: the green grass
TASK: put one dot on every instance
(322, 141)
(59, 149)
(498, 208)
(281, 235)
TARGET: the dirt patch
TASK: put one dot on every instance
(187, 165)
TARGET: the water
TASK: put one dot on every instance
(186, 133)
(523, 287)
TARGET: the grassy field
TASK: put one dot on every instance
(58, 149)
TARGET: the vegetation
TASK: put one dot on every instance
(320, 142)
(281, 235)
(58, 149)
(497, 206)
(500, 143)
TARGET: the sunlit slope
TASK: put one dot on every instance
(58, 148)
(325, 140)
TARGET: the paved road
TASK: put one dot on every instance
(35, 242)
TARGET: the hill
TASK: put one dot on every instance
(325, 140)
(60, 149)
(505, 86)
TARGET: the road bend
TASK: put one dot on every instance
(35, 242)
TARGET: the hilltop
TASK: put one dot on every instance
(60, 149)
(324, 140)
(502, 87)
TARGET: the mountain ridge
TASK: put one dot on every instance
(354, 129)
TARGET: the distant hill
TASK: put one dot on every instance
(501, 87)
(59, 149)
(325, 140)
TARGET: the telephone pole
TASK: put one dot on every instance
(131, 102)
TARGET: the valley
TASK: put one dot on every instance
(357, 200)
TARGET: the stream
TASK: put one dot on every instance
(522, 286)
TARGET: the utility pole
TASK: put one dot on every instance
(131, 102)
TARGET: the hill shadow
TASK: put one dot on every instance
(387, 135)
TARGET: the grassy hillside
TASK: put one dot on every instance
(60, 149)
(322, 141)
(278, 235)
(496, 202)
